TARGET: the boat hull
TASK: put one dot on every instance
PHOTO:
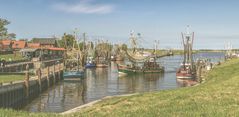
(90, 65)
(127, 70)
(101, 65)
(73, 74)
(184, 76)
(131, 71)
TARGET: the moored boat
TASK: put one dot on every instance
(185, 72)
(150, 66)
(101, 62)
(90, 63)
(101, 65)
(187, 69)
(141, 61)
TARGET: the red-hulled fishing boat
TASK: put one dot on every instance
(187, 69)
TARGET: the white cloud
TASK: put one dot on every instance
(84, 7)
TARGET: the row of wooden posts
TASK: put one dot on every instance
(40, 74)
(18, 94)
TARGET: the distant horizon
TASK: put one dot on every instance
(214, 22)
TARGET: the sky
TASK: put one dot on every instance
(215, 22)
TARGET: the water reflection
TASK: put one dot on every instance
(102, 82)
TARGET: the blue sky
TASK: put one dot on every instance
(215, 22)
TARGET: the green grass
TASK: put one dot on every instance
(9, 78)
(218, 96)
(13, 113)
(18, 56)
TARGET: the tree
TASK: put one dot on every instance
(3, 29)
(67, 41)
(11, 36)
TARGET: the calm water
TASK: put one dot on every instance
(105, 82)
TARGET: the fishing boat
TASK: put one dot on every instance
(141, 62)
(187, 69)
(101, 63)
(102, 54)
(90, 64)
(150, 66)
(74, 61)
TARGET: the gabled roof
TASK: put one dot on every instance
(51, 41)
(19, 44)
(33, 45)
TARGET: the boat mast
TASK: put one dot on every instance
(133, 41)
(156, 44)
(188, 39)
(78, 54)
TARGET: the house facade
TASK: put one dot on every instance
(45, 42)
(6, 45)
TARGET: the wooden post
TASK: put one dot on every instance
(48, 76)
(39, 78)
(54, 74)
(27, 86)
(59, 71)
(199, 71)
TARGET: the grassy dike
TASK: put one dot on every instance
(218, 96)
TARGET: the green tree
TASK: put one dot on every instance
(3, 29)
(67, 41)
(11, 36)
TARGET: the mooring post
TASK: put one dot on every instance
(199, 73)
(27, 82)
(59, 71)
(39, 78)
(48, 76)
(54, 74)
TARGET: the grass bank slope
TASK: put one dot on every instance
(218, 96)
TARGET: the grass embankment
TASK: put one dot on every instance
(13, 57)
(218, 96)
(8, 78)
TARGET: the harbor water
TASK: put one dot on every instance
(101, 82)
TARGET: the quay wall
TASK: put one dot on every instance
(18, 94)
